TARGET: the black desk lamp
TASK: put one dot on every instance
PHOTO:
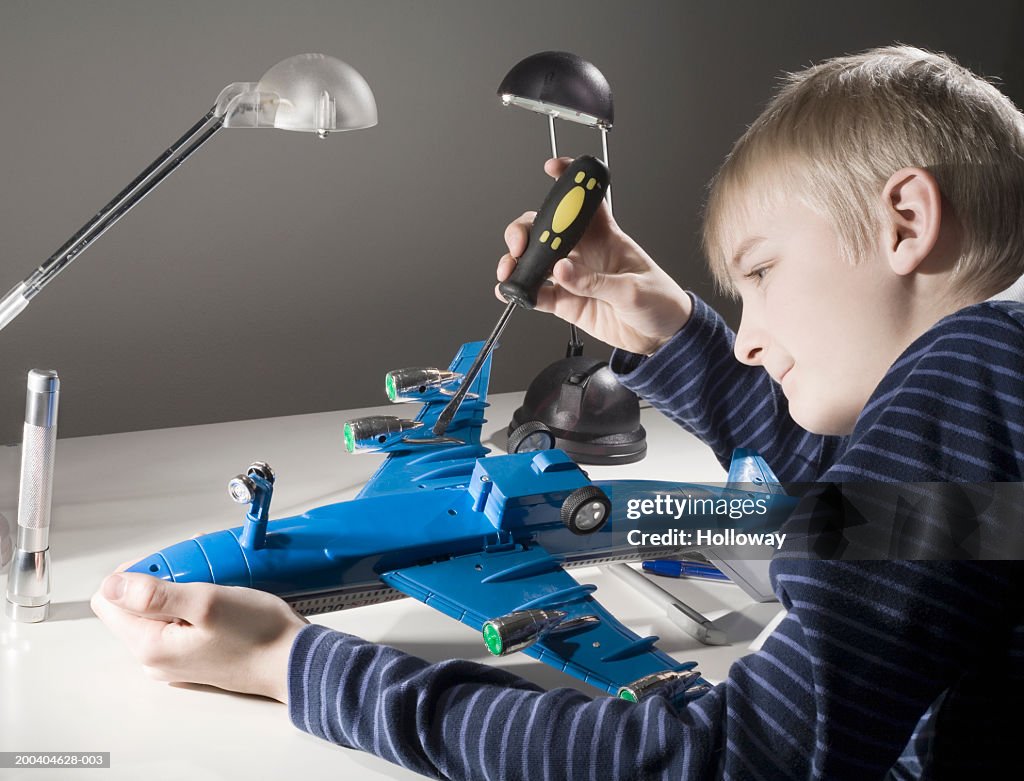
(576, 403)
(309, 92)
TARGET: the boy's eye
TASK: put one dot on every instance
(758, 273)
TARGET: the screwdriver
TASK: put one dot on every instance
(559, 225)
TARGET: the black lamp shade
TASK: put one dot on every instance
(560, 84)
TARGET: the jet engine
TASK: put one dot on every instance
(675, 685)
(518, 630)
(523, 628)
(375, 432)
(420, 384)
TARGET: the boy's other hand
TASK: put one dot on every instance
(608, 286)
(237, 639)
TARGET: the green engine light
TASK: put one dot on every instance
(492, 639)
(627, 695)
(350, 438)
(389, 386)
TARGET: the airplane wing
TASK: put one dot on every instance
(410, 466)
(479, 587)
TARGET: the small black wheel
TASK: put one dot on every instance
(531, 437)
(586, 510)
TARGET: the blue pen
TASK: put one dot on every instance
(684, 569)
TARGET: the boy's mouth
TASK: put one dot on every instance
(779, 376)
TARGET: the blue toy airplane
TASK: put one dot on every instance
(484, 539)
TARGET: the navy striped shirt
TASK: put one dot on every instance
(879, 669)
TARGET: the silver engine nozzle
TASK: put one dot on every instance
(419, 384)
(374, 432)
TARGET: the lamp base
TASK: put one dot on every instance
(593, 418)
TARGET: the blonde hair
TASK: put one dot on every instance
(834, 134)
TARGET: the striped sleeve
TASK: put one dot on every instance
(838, 689)
(461, 720)
(695, 380)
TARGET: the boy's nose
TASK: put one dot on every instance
(749, 345)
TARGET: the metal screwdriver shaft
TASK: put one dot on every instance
(452, 407)
(559, 225)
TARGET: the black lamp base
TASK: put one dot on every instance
(593, 418)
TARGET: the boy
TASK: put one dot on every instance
(863, 219)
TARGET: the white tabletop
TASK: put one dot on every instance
(67, 685)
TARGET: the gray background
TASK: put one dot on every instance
(275, 274)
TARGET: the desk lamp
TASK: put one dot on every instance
(312, 93)
(309, 92)
(576, 402)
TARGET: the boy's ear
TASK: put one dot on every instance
(913, 208)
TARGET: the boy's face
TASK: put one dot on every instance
(825, 330)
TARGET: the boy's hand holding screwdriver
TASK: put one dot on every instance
(608, 285)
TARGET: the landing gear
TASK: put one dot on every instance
(586, 510)
(530, 437)
(255, 488)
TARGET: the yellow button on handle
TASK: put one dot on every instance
(568, 209)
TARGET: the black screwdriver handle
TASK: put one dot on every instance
(561, 221)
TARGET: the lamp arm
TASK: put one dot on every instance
(18, 297)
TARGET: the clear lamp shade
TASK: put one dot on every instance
(313, 93)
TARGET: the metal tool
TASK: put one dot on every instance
(694, 623)
(559, 225)
(6, 546)
(28, 584)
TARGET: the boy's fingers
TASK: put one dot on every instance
(570, 307)
(506, 266)
(582, 281)
(546, 300)
(564, 301)
(517, 232)
(150, 597)
(128, 627)
(556, 166)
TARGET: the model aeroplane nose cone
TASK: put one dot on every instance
(492, 639)
(155, 565)
(389, 386)
(350, 438)
(627, 695)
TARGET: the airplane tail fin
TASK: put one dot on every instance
(464, 360)
(750, 472)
